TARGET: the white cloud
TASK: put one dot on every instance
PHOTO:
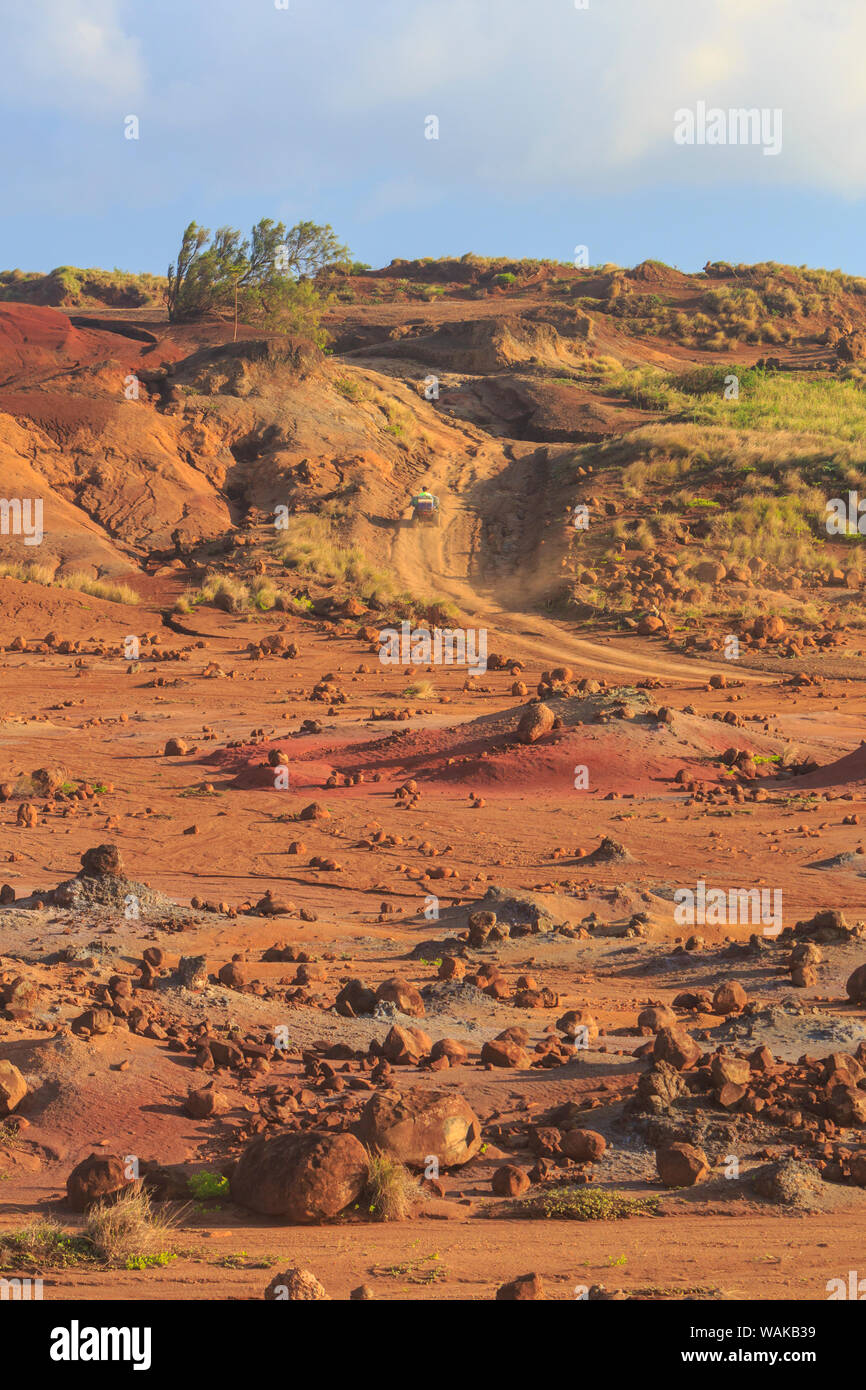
(536, 99)
(537, 94)
(69, 56)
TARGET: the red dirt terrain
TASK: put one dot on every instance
(391, 972)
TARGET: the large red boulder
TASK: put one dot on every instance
(13, 1087)
(405, 996)
(417, 1125)
(95, 1177)
(676, 1047)
(682, 1165)
(300, 1177)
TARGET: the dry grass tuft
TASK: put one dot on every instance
(391, 1190)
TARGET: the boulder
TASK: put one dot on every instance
(804, 976)
(578, 1024)
(302, 1177)
(405, 996)
(788, 1183)
(734, 1069)
(502, 1052)
(19, 994)
(656, 1017)
(47, 780)
(102, 861)
(699, 1000)
(681, 1165)
(659, 1088)
(450, 1048)
(535, 722)
(416, 1125)
(93, 1021)
(296, 1284)
(406, 1046)
(842, 1069)
(729, 999)
(846, 1106)
(355, 999)
(583, 1145)
(451, 968)
(234, 975)
(676, 1047)
(204, 1103)
(709, 572)
(192, 972)
(855, 985)
(521, 1289)
(510, 1181)
(96, 1177)
(13, 1088)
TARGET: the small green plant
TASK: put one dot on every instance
(242, 1260)
(400, 423)
(208, 1187)
(158, 1261)
(584, 1204)
(43, 1244)
(351, 390)
(420, 1269)
(10, 1138)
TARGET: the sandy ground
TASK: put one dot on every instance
(109, 726)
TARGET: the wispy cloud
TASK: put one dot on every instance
(320, 108)
(73, 57)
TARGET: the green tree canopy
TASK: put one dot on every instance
(268, 276)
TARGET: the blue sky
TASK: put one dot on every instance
(555, 127)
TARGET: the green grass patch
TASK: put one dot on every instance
(584, 1204)
(208, 1187)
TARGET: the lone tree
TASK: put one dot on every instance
(266, 279)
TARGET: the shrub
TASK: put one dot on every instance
(44, 1244)
(584, 1204)
(391, 1190)
(208, 1187)
(97, 588)
(129, 1227)
(420, 690)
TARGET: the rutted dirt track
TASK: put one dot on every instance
(445, 560)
